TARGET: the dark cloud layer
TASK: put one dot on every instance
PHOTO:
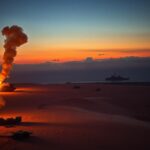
(89, 70)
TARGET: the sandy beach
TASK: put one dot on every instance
(78, 117)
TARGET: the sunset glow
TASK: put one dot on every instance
(68, 31)
(74, 74)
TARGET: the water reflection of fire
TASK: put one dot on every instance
(7, 87)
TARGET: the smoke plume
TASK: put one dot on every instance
(14, 38)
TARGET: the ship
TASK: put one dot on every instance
(116, 78)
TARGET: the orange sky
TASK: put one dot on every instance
(37, 50)
(74, 30)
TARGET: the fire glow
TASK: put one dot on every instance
(7, 87)
(15, 37)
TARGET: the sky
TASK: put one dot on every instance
(66, 30)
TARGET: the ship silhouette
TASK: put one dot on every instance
(115, 78)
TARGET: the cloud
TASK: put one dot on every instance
(130, 51)
(89, 59)
(101, 54)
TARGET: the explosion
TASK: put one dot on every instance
(15, 37)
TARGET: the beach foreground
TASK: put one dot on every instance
(78, 117)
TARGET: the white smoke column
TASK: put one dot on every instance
(14, 38)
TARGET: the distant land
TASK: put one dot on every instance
(88, 70)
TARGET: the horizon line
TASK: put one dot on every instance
(83, 60)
